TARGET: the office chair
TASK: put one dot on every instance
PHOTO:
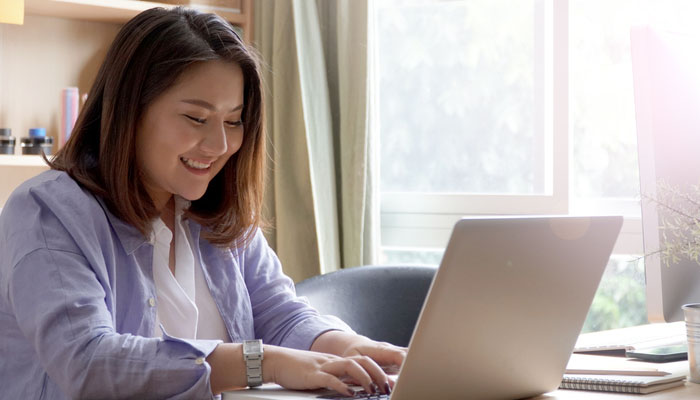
(380, 302)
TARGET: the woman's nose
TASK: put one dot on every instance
(214, 141)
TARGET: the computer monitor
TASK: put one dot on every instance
(666, 72)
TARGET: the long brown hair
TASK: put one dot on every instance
(147, 56)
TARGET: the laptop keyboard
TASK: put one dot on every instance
(359, 395)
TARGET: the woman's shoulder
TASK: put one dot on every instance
(50, 177)
(50, 206)
(49, 210)
(53, 189)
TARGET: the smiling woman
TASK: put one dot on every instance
(151, 63)
(195, 125)
(136, 267)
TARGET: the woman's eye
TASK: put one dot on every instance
(195, 119)
(234, 124)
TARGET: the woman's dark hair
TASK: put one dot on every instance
(149, 53)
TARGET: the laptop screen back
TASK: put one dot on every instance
(506, 306)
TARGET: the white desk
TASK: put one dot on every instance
(687, 392)
(650, 334)
(628, 335)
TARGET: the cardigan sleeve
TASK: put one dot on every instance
(280, 317)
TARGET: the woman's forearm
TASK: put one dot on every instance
(227, 367)
(228, 370)
(336, 342)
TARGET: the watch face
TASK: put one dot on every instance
(252, 346)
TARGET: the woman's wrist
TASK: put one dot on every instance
(270, 360)
(227, 367)
(336, 342)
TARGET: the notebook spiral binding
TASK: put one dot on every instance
(602, 385)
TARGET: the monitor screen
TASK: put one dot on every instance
(666, 72)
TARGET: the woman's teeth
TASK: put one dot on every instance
(194, 164)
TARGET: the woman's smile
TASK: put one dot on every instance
(196, 167)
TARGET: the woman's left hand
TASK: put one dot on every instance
(388, 356)
(345, 344)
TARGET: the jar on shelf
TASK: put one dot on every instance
(37, 142)
(7, 141)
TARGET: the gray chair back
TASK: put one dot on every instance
(380, 302)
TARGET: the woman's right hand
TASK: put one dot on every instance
(298, 369)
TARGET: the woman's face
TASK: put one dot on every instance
(187, 134)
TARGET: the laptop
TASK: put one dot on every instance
(503, 312)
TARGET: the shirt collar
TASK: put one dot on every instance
(181, 205)
(159, 231)
(130, 237)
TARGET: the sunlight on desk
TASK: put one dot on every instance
(630, 338)
(686, 392)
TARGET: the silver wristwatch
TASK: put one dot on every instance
(253, 356)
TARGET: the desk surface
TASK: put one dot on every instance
(640, 334)
(686, 392)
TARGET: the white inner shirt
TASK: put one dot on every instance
(185, 306)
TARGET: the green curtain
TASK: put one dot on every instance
(321, 197)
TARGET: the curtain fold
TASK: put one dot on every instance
(321, 193)
(360, 210)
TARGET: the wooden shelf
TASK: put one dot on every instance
(22, 161)
(115, 11)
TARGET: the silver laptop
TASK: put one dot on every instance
(503, 312)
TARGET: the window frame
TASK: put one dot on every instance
(425, 220)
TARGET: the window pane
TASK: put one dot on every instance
(460, 89)
(410, 256)
(601, 87)
(602, 98)
(619, 302)
(621, 299)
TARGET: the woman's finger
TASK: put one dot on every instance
(351, 368)
(375, 371)
(391, 369)
(384, 354)
(332, 382)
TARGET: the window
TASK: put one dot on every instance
(512, 107)
(470, 81)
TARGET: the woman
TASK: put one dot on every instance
(136, 268)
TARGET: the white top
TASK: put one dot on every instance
(185, 306)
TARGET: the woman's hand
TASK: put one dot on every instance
(387, 356)
(336, 359)
(297, 369)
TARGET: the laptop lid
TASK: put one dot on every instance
(504, 310)
(506, 306)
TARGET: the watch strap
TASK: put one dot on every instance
(253, 362)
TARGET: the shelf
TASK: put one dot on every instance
(116, 11)
(22, 161)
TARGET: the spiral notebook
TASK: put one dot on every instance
(622, 383)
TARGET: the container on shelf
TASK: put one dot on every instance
(7, 141)
(37, 142)
(70, 103)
